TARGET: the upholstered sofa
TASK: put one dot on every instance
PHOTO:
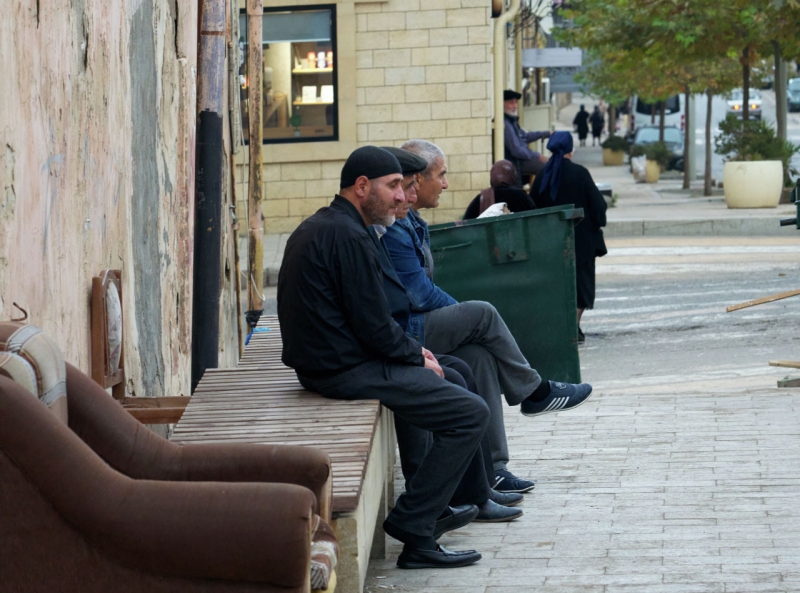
(93, 501)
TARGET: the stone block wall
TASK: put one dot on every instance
(423, 69)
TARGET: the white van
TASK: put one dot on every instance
(645, 114)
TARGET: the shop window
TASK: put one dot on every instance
(299, 74)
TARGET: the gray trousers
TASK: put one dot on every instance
(456, 418)
(414, 443)
(474, 332)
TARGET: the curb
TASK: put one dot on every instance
(746, 227)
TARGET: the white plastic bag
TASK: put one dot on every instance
(638, 166)
(495, 210)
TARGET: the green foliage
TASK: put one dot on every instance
(755, 140)
(658, 152)
(295, 121)
(654, 151)
(615, 143)
(637, 150)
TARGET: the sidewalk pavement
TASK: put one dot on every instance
(665, 208)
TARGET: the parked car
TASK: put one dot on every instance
(673, 138)
(735, 104)
(793, 94)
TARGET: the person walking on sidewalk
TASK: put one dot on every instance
(581, 124)
(566, 183)
(598, 121)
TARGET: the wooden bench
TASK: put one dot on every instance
(261, 401)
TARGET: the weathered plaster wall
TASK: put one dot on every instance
(96, 164)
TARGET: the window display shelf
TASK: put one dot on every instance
(300, 103)
(311, 70)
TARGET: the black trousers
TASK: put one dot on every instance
(475, 485)
(456, 418)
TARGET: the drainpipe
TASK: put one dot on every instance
(500, 49)
(208, 193)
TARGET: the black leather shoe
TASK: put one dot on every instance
(491, 512)
(506, 499)
(440, 558)
(462, 515)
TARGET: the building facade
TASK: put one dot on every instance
(402, 69)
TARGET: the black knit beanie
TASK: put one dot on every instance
(371, 162)
(411, 163)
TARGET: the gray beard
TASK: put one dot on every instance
(370, 209)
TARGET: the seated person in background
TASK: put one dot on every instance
(527, 161)
(502, 180)
(473, 330)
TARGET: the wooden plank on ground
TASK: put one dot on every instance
(761, 301)
(791, 364)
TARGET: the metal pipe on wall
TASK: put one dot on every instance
(500, 49)
(255, 251)
(209, 175)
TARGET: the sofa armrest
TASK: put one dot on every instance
(302, 466)
(243, 531)
(137, 452)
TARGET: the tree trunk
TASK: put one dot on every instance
(707, 176)
(612, 120)
(780, 92)
(662, 116)
(687, 182)
(746, 84)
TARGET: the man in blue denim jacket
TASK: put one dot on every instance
(472, 330)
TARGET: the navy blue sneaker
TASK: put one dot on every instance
(507, 482)
(563, 396)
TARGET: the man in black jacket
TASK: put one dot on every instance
(341, 339)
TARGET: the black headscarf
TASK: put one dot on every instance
(560, 143)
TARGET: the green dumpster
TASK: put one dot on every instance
(524, 265)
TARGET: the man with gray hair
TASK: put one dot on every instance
(456, 328)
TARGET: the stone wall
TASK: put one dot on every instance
(421, 69)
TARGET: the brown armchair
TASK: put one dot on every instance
(103, 504)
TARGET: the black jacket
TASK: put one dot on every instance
(331, 305)
(578, 188)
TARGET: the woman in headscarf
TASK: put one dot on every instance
(581, 123)
(561, 183)
(598, 122)
(502, 180)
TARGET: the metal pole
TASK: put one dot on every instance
(500, 49)
(210, 169)
(255, 302)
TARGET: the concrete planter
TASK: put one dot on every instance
(753, 184)
(613, 158)
(652, 171)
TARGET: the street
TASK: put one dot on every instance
(660, 318)
(719, 108)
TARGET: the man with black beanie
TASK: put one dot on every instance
(343, 343)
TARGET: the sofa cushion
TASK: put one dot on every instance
(41, 352)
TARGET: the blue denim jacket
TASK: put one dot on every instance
(412, 322)
(407, 240)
